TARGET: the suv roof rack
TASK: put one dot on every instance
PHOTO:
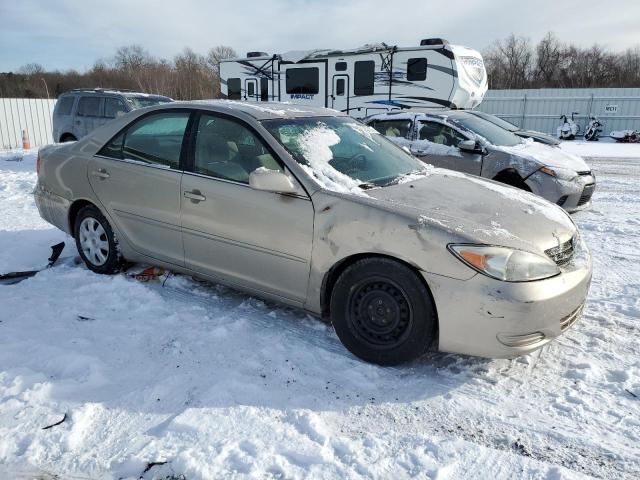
(102, 89)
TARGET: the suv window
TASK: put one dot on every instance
(393, 128)
(439, 133)
(155, 139)
(64, 105)
(89, 106)
(229, 150)
(113, 107)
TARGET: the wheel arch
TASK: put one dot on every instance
(511, 176)
(74, 209)
(332, 275)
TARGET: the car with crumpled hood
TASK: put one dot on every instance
(308, 207)
(462, 141)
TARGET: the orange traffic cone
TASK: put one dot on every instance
(26, 144)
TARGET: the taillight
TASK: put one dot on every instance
(38, 160)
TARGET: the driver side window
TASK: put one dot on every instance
(228, 150)
(439, 133)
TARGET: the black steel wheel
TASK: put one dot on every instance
(382, 311)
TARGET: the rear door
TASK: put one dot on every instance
(251, 90)
(255, 239)
(304, 83)
(136, 177)
(88, 115)
(437, 143)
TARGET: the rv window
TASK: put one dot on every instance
(251, 89)
(233, 88)
(339, 87)
(341, 66)
(302, 80)
(417, 69)
(264, 89)
(363, 77)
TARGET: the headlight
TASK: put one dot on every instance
(506, 264)
(561, 173)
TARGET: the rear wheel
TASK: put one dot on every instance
(382, 312)
(96, 242)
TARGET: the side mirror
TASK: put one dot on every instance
(271, 181)
(406, 149)
(471, 146)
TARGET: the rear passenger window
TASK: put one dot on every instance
(114, 107)
(393, 128)
(363, 80)
(230, 151)
(234, 87)
(416, 69)
(302, 80)
(89, 106)
(64, 105)
(156, 140)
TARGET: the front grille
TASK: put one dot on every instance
(562, 254)
(570, 319)
(586, 193)
(584, 172)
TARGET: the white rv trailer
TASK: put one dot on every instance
(363, 81)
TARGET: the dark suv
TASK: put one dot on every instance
(78, 112)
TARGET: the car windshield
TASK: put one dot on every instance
(343, 154)
(142, 101)
(490, 131)
(497, 121)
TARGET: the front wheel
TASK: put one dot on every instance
(382, 312)
(96, 242)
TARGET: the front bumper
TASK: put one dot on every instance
(489, 318)
(572, 195)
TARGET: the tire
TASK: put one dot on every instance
(513, 180)
(67, 137)
(400, 321)
(96, 241)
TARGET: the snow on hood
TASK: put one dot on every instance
(315, 145)
(546, 155)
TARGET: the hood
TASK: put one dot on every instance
(538, 136)
(547, 155)
(475, 210)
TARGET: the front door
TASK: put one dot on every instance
(136, 177)
(254, 239)
(437, 143)
(340, 93)
(251, 90)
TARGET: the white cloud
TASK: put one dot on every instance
(73, 33)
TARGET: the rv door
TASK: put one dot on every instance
(304, 83)
(251, 90)
(340, 93)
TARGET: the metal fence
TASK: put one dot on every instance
(29, 115)
(617, 108)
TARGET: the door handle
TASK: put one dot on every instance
(195, 196)
(101, 173)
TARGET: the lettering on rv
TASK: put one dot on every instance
(301, 96)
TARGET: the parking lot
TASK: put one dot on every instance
(175, 376)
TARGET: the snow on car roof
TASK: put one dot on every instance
(267, 110)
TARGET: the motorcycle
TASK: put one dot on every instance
(626, 136)
(593, 130)
(569, 128)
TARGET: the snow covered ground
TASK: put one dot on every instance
(176, 377)
(605, 148)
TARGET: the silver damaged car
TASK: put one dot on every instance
(311, 208)
(463, 141)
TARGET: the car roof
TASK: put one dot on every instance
(259, 111)
(110, 91)
(414, 114)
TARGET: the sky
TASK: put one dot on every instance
(65, 34)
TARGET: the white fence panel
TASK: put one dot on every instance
(540, 109)
(32, 115)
